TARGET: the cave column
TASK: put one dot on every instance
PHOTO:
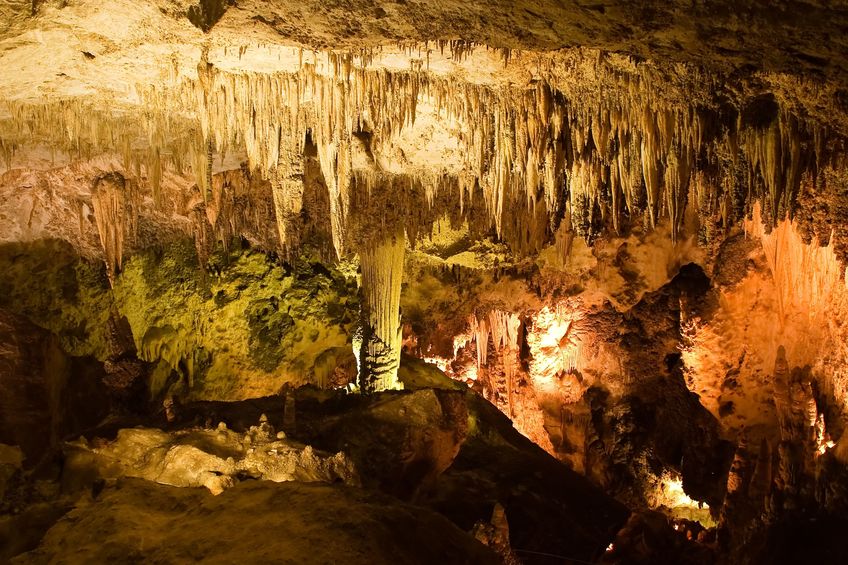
(382, 273)
(287, 185)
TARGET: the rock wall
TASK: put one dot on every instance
(47, 395)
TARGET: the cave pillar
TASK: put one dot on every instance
(379, 352)
(287, 185)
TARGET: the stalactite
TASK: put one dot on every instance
(202, 233)
(808, 277)
(775, 155)
(219, 210)
(382, 275)
(232, 207)
(201, 165)
(505, 328)
(154, 173)
(623, 153)
(678, 170)
(7, 151)
(480, 332)
(810, 291)
(110, 202)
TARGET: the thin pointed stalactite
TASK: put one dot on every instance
(504, 329)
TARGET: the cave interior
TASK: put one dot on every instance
(423, 281)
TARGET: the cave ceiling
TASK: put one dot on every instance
(598, 112)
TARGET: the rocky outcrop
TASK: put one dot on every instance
(549, 508)
(401, 443)
(446, 449)
(47, 395)
(215, 459)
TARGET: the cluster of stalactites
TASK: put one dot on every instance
(502, 327)
(147, 143)
(235, 206)
(287, 187)
(603, 162)
(270, 115)
(114, 200)
(535, 155)
(775, 155)
(808, 277)
(504, 330)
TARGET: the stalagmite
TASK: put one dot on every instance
(382, 275)
(761, 477)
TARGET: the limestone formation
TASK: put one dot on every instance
(382, 275)
(214, 459)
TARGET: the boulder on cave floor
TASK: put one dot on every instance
(448, 450)
(215, 459)
(137, 521)
(455, 452)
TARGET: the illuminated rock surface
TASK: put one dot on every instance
(209, 458)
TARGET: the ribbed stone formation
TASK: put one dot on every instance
(382, 275)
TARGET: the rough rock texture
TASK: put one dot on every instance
(215, 459)
(604, 390)
(549, 508)
(136, 521)
(647, 534)
(447, 449)
(11, 461)
(46, 394)
(456, 453)
(402, 443)
(650, 401)
(242, 329)
(634, 139)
